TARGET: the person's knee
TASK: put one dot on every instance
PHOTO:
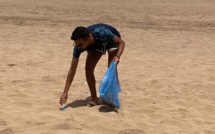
(89, 69)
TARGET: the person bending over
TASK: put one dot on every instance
(96, 40)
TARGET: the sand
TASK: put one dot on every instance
(167, 71)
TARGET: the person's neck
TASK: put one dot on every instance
(92, 39)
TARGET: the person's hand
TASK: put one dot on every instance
(63, 98)
(116, 58)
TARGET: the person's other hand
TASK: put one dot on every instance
(63, 98)
(116, 58)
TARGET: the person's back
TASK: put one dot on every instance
(112, 29)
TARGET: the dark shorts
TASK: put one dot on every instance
(108, 46)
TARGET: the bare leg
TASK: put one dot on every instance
(92, 59)
(111, 55)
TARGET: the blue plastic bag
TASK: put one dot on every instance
(110, 86)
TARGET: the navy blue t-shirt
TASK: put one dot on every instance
(102, 33)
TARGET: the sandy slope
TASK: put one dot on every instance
(166, 72)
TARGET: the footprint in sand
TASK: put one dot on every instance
(17, 81)
(67, 127)
(35, 123)
(6, 131)
(11, 64)
(19, 95)
(48, 79)
(3, 123)
(132, 131)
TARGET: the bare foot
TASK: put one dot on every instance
(92, 103)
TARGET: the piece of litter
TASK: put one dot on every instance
(64, 108)
(85, 82)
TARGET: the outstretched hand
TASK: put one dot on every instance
(63, 98)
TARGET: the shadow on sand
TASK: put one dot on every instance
(83, 103)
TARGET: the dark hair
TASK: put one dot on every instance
(80, 32)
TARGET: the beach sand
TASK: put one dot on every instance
(167, 70)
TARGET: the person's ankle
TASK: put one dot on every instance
(95, 101)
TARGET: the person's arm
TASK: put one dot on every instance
(69, 80)
(121, 43)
